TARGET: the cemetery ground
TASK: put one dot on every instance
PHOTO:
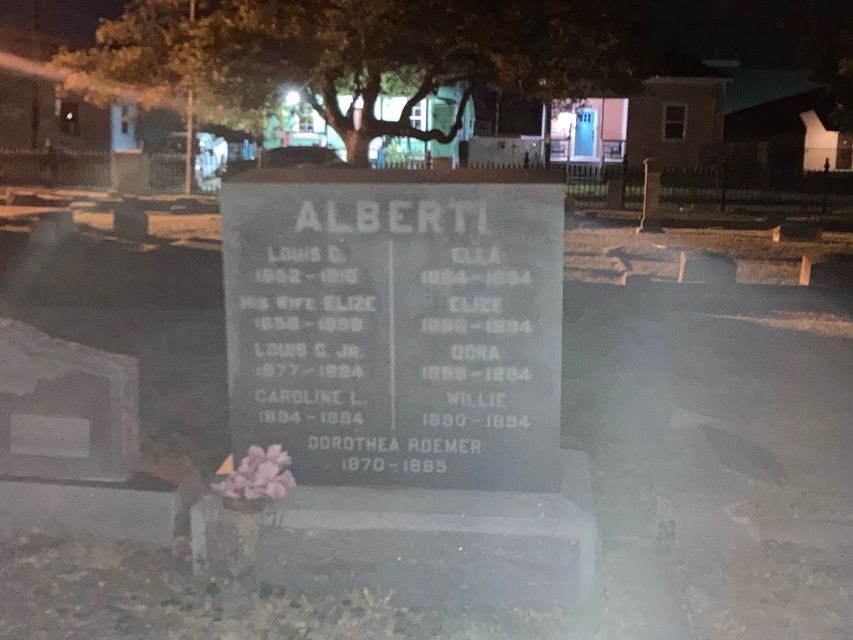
(720, 437)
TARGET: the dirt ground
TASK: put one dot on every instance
(722, 435)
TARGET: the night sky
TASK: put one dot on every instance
(700, 26)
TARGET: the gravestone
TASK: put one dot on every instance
(399, 334)
(67, 411)
(650, 222)
(377, 329)
(69, 445)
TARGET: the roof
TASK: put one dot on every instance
(777, 117)
(674, 62)
(754, 86)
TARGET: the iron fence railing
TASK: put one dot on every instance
(55, 167)
(718, 186)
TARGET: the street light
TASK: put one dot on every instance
(292, 98)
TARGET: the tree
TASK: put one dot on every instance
(827, 44)
(239, 55)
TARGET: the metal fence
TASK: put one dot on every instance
(92, 169)
(715, 187)
(55, 168)
(721, 186)
(166, 172)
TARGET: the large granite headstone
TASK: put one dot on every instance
(67, 411)
(400, 333)
(397, 333)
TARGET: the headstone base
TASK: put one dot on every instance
(152, 506)
(429, 548)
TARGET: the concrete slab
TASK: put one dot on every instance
(707, 267)
(431, 548)
(153, 506)
(797, 232)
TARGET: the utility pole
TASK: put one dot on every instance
(35, 111)
(188, 156)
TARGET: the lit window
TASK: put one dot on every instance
(417, 117)
(306, 117)
(674, 121)
(69, 118)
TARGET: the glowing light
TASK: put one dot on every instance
(292, 98)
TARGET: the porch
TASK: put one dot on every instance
(589, 131)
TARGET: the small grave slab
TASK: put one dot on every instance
(832, 271)
(797, 232)
(707, 268)
(67, 411)
(741, 455)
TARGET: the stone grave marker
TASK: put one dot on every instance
(797, 232)
(67, 411)
(399, 334)
(830, 271)
(69, 445)
(375, 330)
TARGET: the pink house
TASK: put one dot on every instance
(677, 119)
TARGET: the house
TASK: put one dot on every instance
(295, 123)
(825, 145)
(790, 135)
(677, 117)
(769, 138)
(33, 109)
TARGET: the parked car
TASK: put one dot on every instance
(289, 157)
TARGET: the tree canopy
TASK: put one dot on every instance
(239, 55)
(828, 50)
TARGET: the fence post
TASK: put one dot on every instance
(825, 205)
(624, 178)
(724, 166)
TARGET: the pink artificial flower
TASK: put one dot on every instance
(259, 475)
(276, 490)
(275, 454)
(287, 480)
(256, 453)
(266, 471)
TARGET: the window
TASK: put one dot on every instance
(417, 117)
(674, 121)
(69, 118)
(125, 120)
(306, 117)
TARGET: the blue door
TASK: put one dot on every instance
(585, 133)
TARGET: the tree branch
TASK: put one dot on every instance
(427, 86)
(433, 135)
(332, 110)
